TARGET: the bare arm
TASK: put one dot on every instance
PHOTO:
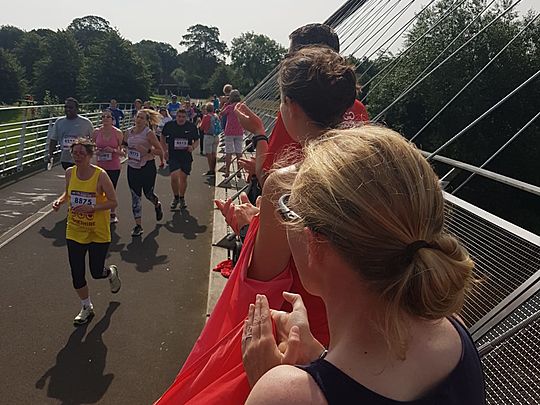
(271, 252)
(63, 197)
(52, 147)
(286, 385)
(260, 157)
(152, 138)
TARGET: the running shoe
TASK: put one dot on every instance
(114, 279)
(114, 219)
(137, 231)
(182, 203)
(86, 314)
(159, 212)
(174, 203)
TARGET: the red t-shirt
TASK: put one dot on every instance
(205, 123)
(281, 140)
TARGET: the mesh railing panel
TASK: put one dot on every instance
(512, 368)
(503, 260)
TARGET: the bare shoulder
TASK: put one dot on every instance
(279, 181)
(286, 385)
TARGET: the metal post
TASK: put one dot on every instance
(20, 156)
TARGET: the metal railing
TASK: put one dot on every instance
(24, 142)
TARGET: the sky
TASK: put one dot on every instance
(135, 22)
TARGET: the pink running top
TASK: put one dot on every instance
(137, 159)
(233, 127)
(108, 160)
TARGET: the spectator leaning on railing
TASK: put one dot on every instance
(67, 129)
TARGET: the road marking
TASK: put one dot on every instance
(8, 236)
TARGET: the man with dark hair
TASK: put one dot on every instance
(67, 129)
(313, 34)
(179, 138)
(173, 106)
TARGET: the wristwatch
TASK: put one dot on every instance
(258, 138)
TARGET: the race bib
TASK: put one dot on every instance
(134, 154)
(180, 143)
(82, 198)
(104, 156)
(67, 142)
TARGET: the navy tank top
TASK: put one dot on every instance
(464, 385)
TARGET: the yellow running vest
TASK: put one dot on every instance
(87, 227)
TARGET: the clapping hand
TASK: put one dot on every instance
(260, 351)
(238, 215)
(248, 119)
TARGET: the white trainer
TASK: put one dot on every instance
(114, 279)
(86, 314)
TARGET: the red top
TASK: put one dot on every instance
(205, 124)
(281, 140)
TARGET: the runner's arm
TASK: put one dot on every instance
(152, 138)
(63, 197)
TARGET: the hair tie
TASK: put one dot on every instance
(412, 248)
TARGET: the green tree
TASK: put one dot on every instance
(222, 75)
(11, 78)
(29, 50)
(161, 59)
(58, 71)
(9, 36)
(89, 30)
(114, 70)
(204, 52)
(254, 56)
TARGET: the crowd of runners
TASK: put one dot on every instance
(345, 272)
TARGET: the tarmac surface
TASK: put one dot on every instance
(137, 342)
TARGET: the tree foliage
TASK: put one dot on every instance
(254, 56)
(11, 75)
(89, 30)
(114, 70)
(58, 71)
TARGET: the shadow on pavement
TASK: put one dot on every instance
(142, 251)
(58, 233)
(183, 222)
(77, 377)
(115, 238)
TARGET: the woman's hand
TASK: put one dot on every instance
(239, 215)
(57, 204)
(260, 352)
(248, 165)
(248, 119)
(310, 349)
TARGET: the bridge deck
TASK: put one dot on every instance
(133, 348)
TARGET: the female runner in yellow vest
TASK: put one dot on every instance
(90, 195)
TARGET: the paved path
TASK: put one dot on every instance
(134, 347)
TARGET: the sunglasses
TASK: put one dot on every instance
(106, 116)
(77, 153)
(286, 213)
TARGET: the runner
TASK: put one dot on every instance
(233, 131)
(108, 140)
(90, 195)
(179, 139)
(67, 129)
(142, 145)
(117, 113)
(173, 106)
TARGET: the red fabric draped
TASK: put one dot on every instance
(213, 372)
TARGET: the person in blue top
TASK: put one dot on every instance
(117, 113)
(364, 218)
(173, 106)
(215, 102)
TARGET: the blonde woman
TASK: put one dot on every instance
(142, 145)
(364, 220)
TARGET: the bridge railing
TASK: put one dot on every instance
(25, 132)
